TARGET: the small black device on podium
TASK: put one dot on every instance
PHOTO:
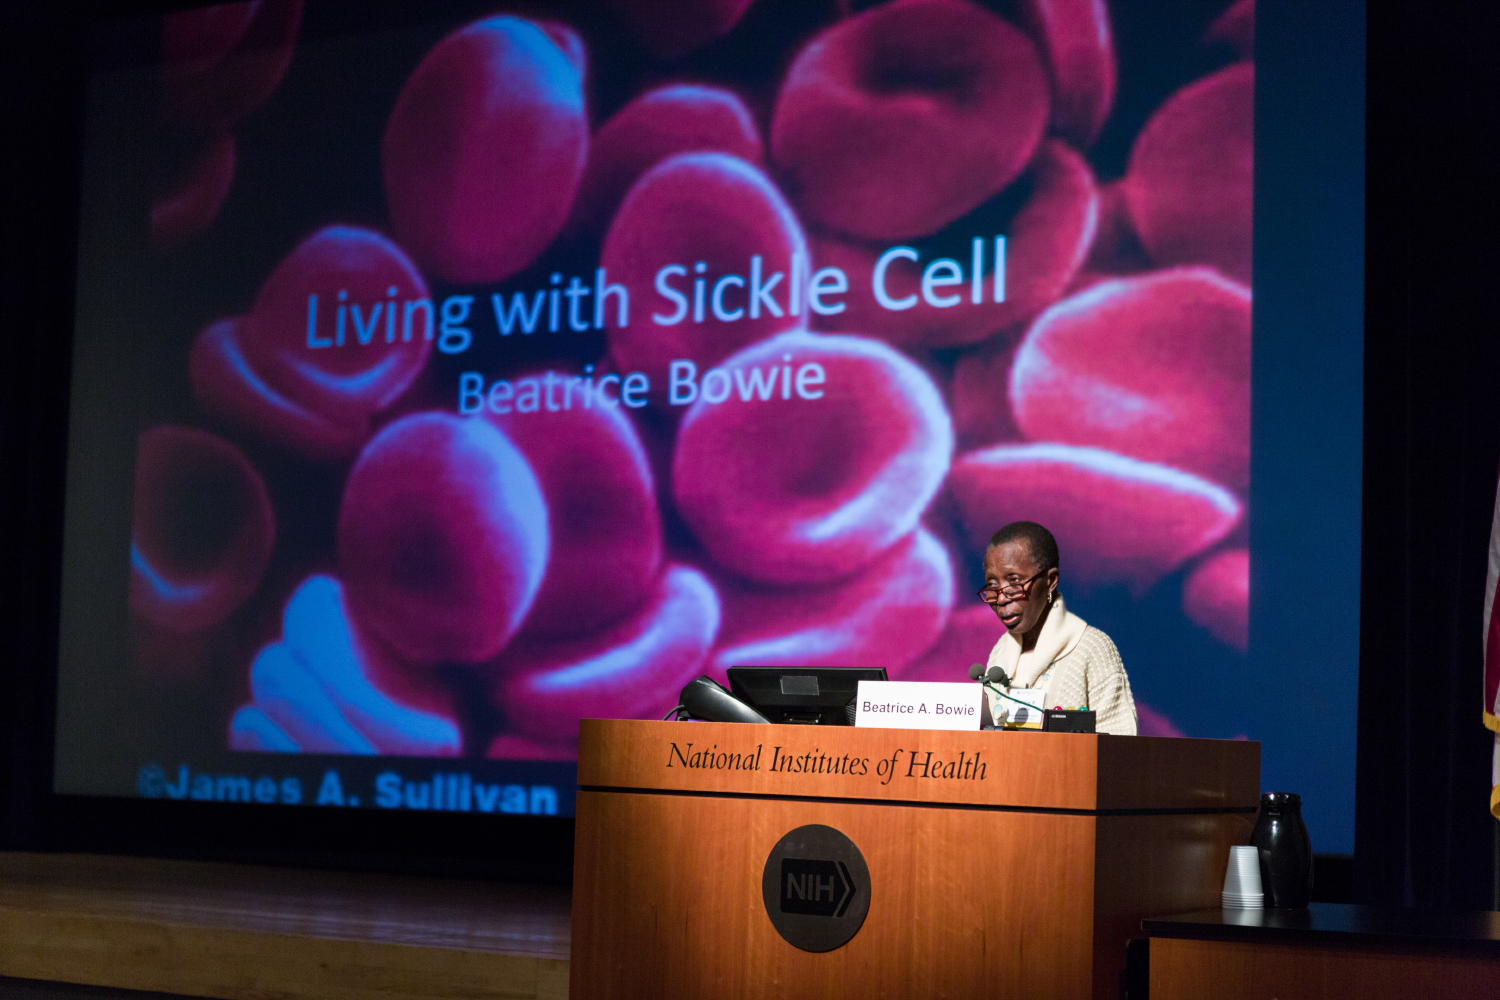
(1068, 720)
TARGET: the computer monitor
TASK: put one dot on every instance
(809, 695)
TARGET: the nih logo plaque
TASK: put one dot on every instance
(816, 888)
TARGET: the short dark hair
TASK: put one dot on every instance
(1039, 542)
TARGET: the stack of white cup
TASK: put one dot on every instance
(1242, 888)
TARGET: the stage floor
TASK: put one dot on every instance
(241, 932)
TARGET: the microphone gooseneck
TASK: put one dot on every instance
(990, 678)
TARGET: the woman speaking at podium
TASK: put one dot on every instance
(1046, 647)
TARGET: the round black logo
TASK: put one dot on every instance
(816, 886)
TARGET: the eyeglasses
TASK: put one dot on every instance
(993, 593)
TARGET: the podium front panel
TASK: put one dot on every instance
(1012, 884)
(959, 902)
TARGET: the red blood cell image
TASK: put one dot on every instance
(1116, 519)
(168, 657)
(899, 120)
(1216, 596)
(508, 746)
(566, 39)
(193, 40)
(970, 636)
(884, 616)
(806, 456)
(352, 301)
(633, 670)
(981, 397)
(194, 200)
(787, 225)
(225, 385)
(1079, 51)
(442, 538)
(222, 62)
(673, 28)
(1236, 27)
(606, 545)
(1046, 242)
(339, 330)
(714, 231)
(1115, 249)
(202, 532)
(325, 687)
(681, 118)
(1156, 367)
(485, 148)
(1190, 181)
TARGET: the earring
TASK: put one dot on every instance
(1051, 594)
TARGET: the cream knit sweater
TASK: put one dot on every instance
(1074, 664)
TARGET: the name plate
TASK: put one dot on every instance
(1022, 709)
(917, 705)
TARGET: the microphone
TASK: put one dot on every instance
(995, 675)
(986, 680)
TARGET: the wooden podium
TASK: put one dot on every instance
(1001, 864)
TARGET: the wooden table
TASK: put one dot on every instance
(1022, 878)
(1328, 950)
(240, 932)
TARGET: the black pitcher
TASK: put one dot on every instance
(1286, 861)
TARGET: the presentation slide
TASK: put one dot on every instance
(443, 377)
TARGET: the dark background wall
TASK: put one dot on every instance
(1423, 836)
(40, 97)
(1431, 452)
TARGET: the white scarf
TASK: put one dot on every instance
(1060, 633)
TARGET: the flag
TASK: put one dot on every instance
(1492, 655)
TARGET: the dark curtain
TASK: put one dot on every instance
(1423, 834)
(40, 105)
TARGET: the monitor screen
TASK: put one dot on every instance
(447, 372)
(806, 695)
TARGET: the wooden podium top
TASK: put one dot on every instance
(1015, 769)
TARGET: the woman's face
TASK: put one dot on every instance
(1010, 565)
